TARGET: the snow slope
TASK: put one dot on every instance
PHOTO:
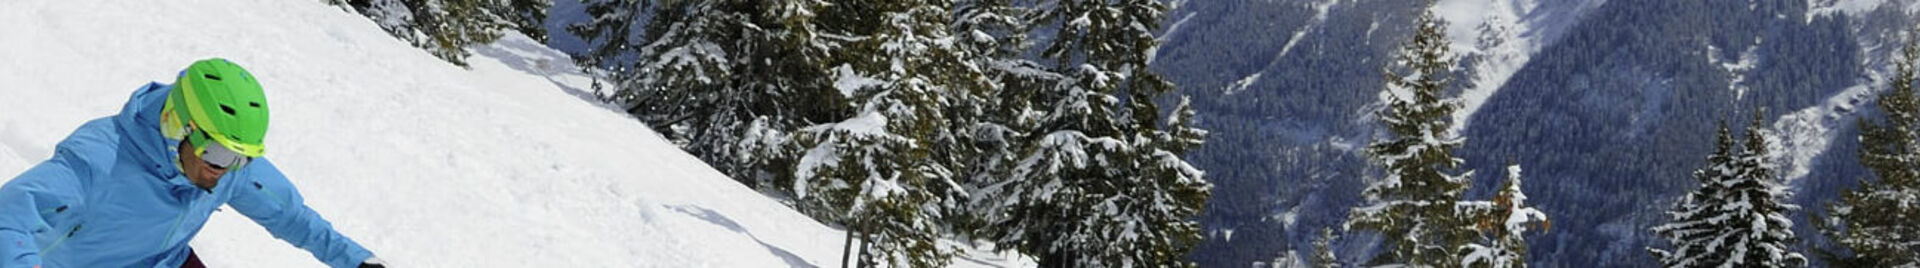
(1803, 136)
(507, 164)
(1853, 7)
(1504, 34)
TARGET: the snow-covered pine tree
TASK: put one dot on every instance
(529, 17)
(991, 121)
(1168, 195)
(1323, 256)
(680, 83)
(1758, 212)
(1092, 186)
(393, 16)
(1880, 221)
(1010, 109)
(1417, 205)
(886, 172)
(609, 31)
(1287, 259)
(728, 81)
(994, 29)
(1694, 224)
(444, 28)
(1736, 218)
(1504, 222)
(457, 25)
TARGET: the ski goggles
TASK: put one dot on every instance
(215, 153)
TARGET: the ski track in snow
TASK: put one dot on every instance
(508, 164)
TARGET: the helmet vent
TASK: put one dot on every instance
(253, 104)
(228, 109)
(211, 76)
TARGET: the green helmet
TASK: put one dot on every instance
(222, 99)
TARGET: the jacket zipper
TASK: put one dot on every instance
(270, 194)
(176, 222)
(63, 240)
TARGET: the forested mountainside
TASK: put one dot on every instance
(1608, 104)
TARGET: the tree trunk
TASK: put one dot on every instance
(865, 259)
(846, 247)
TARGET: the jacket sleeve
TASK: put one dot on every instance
(35, 204)
(271, 201)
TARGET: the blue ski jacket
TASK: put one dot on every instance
(112, 196)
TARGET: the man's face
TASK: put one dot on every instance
(199, 172)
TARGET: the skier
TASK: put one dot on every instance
(131, 189)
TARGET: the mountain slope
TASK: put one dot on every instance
(1287, 88)
(1495, 38)
(1608, 105)
(508, 164)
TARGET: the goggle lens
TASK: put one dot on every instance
(218, 155)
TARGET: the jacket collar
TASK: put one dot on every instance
(139, 123)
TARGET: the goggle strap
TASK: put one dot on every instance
(224, 158)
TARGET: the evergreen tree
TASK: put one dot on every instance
(610, 34)
(1323, 256)
(1099, 180)
(1760, 213)
(1417, 205)
(1693, 224)
(886, 172)
(445, 28)
(729, 81)
(1735, 219)
(1287, 259)
(935, 122)
(457, 24)
(529, 17)
(991, 121)
(1880, 221)
(1504, 223)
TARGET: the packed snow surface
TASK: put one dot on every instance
(507, 164)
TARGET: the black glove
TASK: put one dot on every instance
(373, 263)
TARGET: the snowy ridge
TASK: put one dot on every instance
(1736, 68)
(507, 164)
(1463, 18)
(1802, 136)
(1817, 8)
(1503, 35)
